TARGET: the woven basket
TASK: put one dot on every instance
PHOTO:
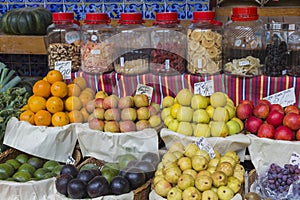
(141, 193)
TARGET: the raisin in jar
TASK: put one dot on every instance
(204, 44)
(168, 44)
(244, 43)
(64, 44)
(293, 68)
(97, 44)
(132, 45)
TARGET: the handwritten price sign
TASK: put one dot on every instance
(205, 88)
(65, 68)
(284, 98)
(144, 89)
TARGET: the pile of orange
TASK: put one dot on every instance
(55, 103)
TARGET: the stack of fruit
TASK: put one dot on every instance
(54, 103)
(110, 113)
(194, 114)
(189, 173)
(270, 120)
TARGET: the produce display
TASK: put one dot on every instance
(24, 168)
(270, 120)
(188, 172)
(196, 115)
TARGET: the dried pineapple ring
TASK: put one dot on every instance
(196, 35)
(212, 52)
(218, 40)
(209, 35)
(211, 67)
(207, 43)
(201, 50)
(189, 31)
(193, 45)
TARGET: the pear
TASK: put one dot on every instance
(191, 172)
(211, 170)
(228, 159)
(218, 99)
(234, 155)
(160, 165)
(176, 146)
(220, 114)
(185, 181)
(199, 101)
(174, 194)
(184, 163)
(225, 193)
(156, 179)
(214, 162)
(203, 153)
(191, 150)
(209, 195)
(217, 154)
(202, 130)
(191, 193)
(172, 174)
(203, 183)
(225, 167)
(162, 188)
(199, 163)
(201, 116)
(184, 97)
(234, 184)
(178, 154)
(239, 172)
(219, 178)
(184, 114)
(168, 157)
(159, 172)
(185, 128)
(203, 172)
(218, 129)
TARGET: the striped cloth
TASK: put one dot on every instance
(237, 88)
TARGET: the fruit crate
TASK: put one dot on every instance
(141, 193)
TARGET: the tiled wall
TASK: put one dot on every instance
(184, 8)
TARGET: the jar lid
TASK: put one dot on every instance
(131, 18)
(63, 16)
(94, 18)
(244, 13)
(166, 18)
(203, 15)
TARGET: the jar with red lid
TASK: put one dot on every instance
(132, 45)
(97, 43)
(244, 43)
(293, 68)
(204, 45)
(64, 43)
(168, 44)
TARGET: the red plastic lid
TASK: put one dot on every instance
(244, 13)
(166, 18)
(131, 18)
(96, 18)
(63, 16)
(203, 15)
(215, 22)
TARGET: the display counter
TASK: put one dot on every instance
(238, 88)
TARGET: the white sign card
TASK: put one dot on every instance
(284, 98)
(144, 89)
(65, 68)
(295, 159)
(205, 88)
(203, 144)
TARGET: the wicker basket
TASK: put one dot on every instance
(141, 193)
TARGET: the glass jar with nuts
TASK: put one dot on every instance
(204, 44)
(97, 44)
(64, 44)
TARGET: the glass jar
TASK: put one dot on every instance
(204, 44)
(97, 44)
(132, 45)
(168, 44)
(293, 68)
(64, 43)
(244, 43)
(276, 49)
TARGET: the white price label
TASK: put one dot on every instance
(199, 63)
(205, 88)
(65, 68)
(203, 144)
(284, 98)
(72, 36)
(244, 62)
(96, 51)
(167, 64)
(295, 159)
(122, 61)
(144, 89)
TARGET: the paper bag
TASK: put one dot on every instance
(109, 146)
(237, 142)
(52, 143)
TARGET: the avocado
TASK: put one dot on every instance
(35, 162)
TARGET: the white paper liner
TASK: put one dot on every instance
(264, 152)
(31, 190)
(237, 142)
(109, 146)
(52, 143)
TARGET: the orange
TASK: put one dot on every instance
(25, 107)
(60, 119)
(59, 89)
(85, 98)
(73, 103)
(41, 88)
(42, 118)
(53, 76)
(85, 114)
(27, 116)
(54, 105)
(80, 81)
(37, 103)
(73, 90)
(75, 116)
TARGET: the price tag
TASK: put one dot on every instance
(96, 51)
(122, 63)
(284, 98)
(203, 144)
(244, 62)
(199, 63)
(295, 159)
(205, 88)
(144, 89)
(65, 68)
(70, 160)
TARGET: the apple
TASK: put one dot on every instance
(275, 118)
(244, 111)
(261, 110)
(292, 121)
(125, 102)
(142, 124)
(112, 114)
(283, 133)
(111, 126)
(153, 108)
(141, 100)
(263, 101)
(247, 102)
(252, 124)
(127, 126)
(98, 103)
(99, 113)
(96, 124)
(266, 131)
(277, 107)
(110, 101)
(297, 135)
(90, 106)
(291, 109)
(129, 114)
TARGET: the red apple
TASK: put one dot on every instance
(96, 124)
(98, 103)
(263, 101)
(125, 102)
(292, 120)
(129, 114)
(261, 110)
(90, 106)
(247, 102)
(111, 126)
(266, 131)
(277, 107)
(275, 118)
(112, 114)
(291, 109)
(127, 126)
(298, 135)
(283, 133)
(252, 124)
(243, 111)
(110, 101)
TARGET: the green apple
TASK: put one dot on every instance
(184, 114)
(225, 193)
(185, 128)
(199, 163)
(233, 127)
(231, 111)
(201, 116)
(173, 125)
(210, 111)
(165, 112)
(203, 182)
(167, 120)
(218, 99)
(234, 184)
(190, 150)
(184, 97)
(202, 130)
(174, 194)
(198, 101)
(184, 163)
(185, 181)
(220, 114)
(167, 101)
(218, 129)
